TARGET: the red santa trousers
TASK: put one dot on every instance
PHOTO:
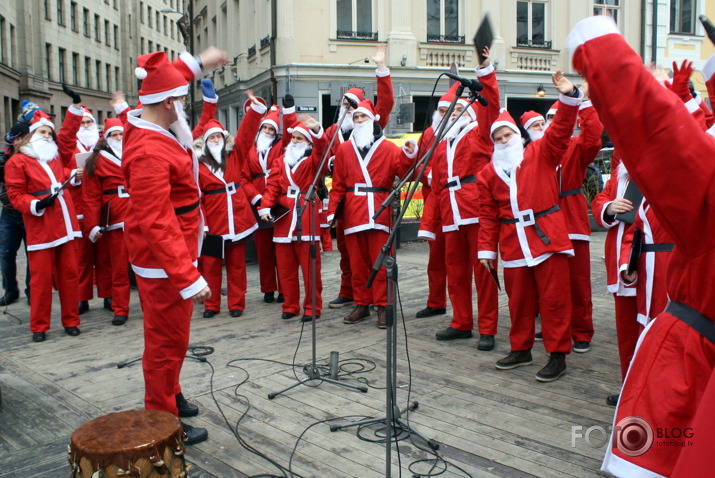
(326, 240)
(581, 305)
(167, 323)
(462, 265)
(266, 253)
(363, 248)
(543, 288)
(346, 283)
(119, 263)
(56, 265)
(292, 256)
(93, 263)
(437, 272)
(627, 329)
(103, 269)
(212, 270)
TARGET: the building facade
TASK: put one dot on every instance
(91, 46)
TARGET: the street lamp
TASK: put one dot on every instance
(186, 27)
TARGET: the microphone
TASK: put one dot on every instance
(472, 84)
(482, 100)
(353, 104)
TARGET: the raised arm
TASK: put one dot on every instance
(555, 142)
(385, 93)
(210, 103)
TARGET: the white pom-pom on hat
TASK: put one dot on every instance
(140, 73)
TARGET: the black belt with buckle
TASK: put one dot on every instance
(465, 180)
(693, 318)
(662, 247)
(258, 175)
(184, 209)
(366, 189)
(532, 221)
(570, 192)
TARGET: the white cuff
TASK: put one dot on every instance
(206, 228)
(77, 110)
(709, 68)
(484, 71)
(75, 181)
(570, 100)
(194, 288)
(191, 62)
(692, 105)
(382, 74)
(210, 100)
(603, 216)
(256, 199)
(263, 211)
(413, 155)
(33, 208)
(588, 29)
(93, 233)
(259, 107)
(288, 111)
(331, 162)
(427, 235)
(585, 104)
(317, 135)
(491, 255)
(118, 109)
(330, 217)
(624, 268)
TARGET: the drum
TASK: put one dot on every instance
(136, 443)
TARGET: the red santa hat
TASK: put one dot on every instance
(471, 110)
(448, 97)
(367, 108)
(552, 110)
(160, 79)
(355, 94)
(248, 102)
(529, 118)
(111, 125)
(273, 117)
(40, 118)
(213, 126)
(504, 119)
(88, 114)
(299, 127)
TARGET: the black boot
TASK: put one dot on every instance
(186, 409)
(194, 435)
(554, 369)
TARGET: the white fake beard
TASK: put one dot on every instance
(295, 152)
(347, 124)
(457, 128)
(180, 127)
(45, 148)
(535, 135)
(508, 156)
(436, 120)
(88, 136)
(116, 146)
(216, 150)
(264, 141)
(622, 171)
(363, 134)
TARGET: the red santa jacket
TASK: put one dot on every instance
(530, 190)
(581, 152)
(208, 112)
(652, 266)
(287, 187)
(361, 185)
(106, 199)
(28, 180)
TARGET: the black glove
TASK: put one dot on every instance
(288, 101)
(46, 202)
(76, 99)
(709, 27)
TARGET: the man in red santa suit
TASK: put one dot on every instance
(164, 224)
(364, 170)
(34, 177)
(296, 237)
(261, 145)
(670, 158)
(105, 206)
(349, 102)
(457, 162)
(520, 214)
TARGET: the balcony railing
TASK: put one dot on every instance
(541, 45)
(445, 39)
(349, 35)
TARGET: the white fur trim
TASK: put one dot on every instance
(210, 100)
(140, 73)
(443, 104)
(588, 29)
(255, 199)
(584, 104)
(302, 131)
(191, 62)
(120, 108)
(427, 235)
(370, 114)
(41, 122)
(33, 208)
(194, 288)
(317, 135)
(484, 71)
(93, 233)
(709, 68)
(499, 124)
(532, 120)
(414, 143)
(154, 98)
(382, 74)
(112, 130)
(259, 107)
(330, 217)
(571, 101)
(692, 105)
(353, 97)
(213, 130)
(288, 111)
(491, 255)
(263, 211)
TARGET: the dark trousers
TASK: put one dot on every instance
(12, 235)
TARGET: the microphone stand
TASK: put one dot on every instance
(312, 372)
(393, 420)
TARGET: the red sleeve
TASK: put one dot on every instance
(338, 189)
(67, 137)
(588, 144)
(430, 221)
(289, 117)
(16, 183)
(273, 184)
(92, 195)
(553, 146)
(709, 117)
(188, 66)
(604, 198)
(489, 224)
(246, 133)
(208, 112)
(385, 99)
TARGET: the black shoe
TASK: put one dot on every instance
(208, 313)
(107, 303)
(581, 346)
(186, 409)
(306, 318)
(119, 319)
(340, 302)
(429, 312)
(269, 297)
(554, 369)
(280, 299)
(236, 313)
(194, 435)
(72, 331)
(539, 336)
(38, 336)
(450, 334)
(83, 306)
(8, 299)
(515, 359)
(288, 315)
(612, 400)
(486, 342)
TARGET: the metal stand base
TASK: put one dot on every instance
(313, 374)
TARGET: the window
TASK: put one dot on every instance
(87, 67)
(85, 21)
(148, 16)
(61, 12)
(47, 10)
(150, 46)
(158, 23)
(73, 16)
(96, 27)
(61, 59)
(443, 21)
(165, 29)
(116, 78)
(107, 32)
(610, 7)
(48, 60)
(531, 24)
(116, 37)
(75, 69)
(141, 12)
(3, 45)
(355, 20)
(683, 16)
(98, 75)
(108, 73)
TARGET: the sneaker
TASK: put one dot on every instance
(581, 346)
(515, 359)
(186, 408)
(554, 369)
(486, 342)
(429, 312)
(611, 400)
(539, 336)
(340, 302)
(450, 334)
(8, 299)
(269, 297)
(194, 435)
